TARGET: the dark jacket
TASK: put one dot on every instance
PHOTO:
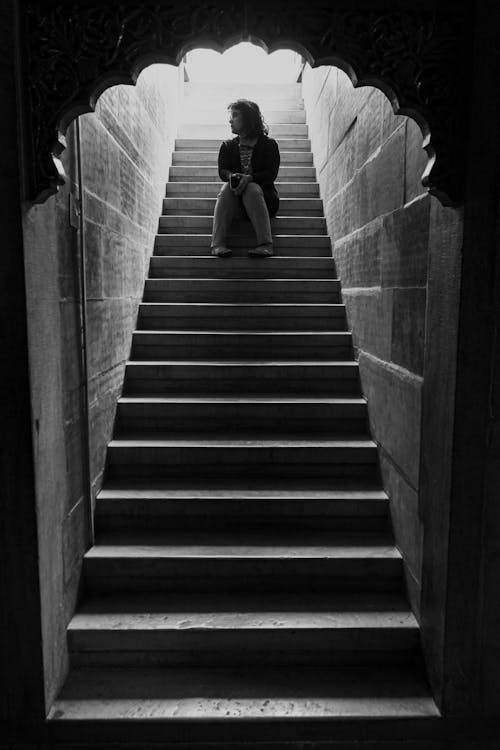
(265, 166)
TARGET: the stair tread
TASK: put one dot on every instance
(276, 236)
(286, 217)
(242, 441)
(252, 399)
(251, 611)
(258, 305)
(245, 363)
(235, 545)
(240, 332)
(292, 260)
(211, 279)
(242, 693)
(251, 488)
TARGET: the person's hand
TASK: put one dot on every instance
(236, 174)
(245, 179)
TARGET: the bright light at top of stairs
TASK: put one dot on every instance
(244, 62)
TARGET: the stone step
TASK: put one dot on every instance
(206, 207)
(211, 174)
(219, 104)
(206, 266)
(256, 503)
(185, 158)
(213, 144)
(259, 316)
(243, 377)
(284, 225)
(191, 344)
(211, 189)
(160, 455)
(278, 102)
(194, 113)
(240, 246)
(225, 630)
(228, 562)
(222, 131)
(217, 706)
(242, 290)
(244, 89)
(232, 416)
(272, 99)
(284, 244)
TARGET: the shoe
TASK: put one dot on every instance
(262, 251)
(221, 251)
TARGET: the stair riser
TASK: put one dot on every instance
(201, 418)
(195, 385)
(187, 352)
(268, 101)
(206, 206)
(177, 267)
(206, 174)
(206, 189)
(196, 382)
(278, 455)
(306, 648)
(238, 524)
(202, 158)
(213, 144)
(244, 229)
(223, 131)
(157, 472)
(246, 657)
(203, 225)
(200, 293)
(286, 287)
(212, 322)
(210, 173)
(156, 341)
(239, 515)
(244, 240)
(196, 114)
(213, 379)
(202, 207)
(241, 253)
(242, 574)
(230, 91)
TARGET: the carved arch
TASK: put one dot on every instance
(415, 56)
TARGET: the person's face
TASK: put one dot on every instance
(236, 122)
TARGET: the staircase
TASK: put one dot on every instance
(244, 585)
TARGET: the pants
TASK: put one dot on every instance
(230, 206)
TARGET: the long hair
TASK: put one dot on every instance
(252, 117)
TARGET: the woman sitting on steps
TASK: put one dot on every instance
(249, 165)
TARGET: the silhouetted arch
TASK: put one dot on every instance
(77, 50)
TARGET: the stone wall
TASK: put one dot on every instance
(125, 151)
(369, 163)
(125, 167)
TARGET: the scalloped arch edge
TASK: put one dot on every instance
(115, 77)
